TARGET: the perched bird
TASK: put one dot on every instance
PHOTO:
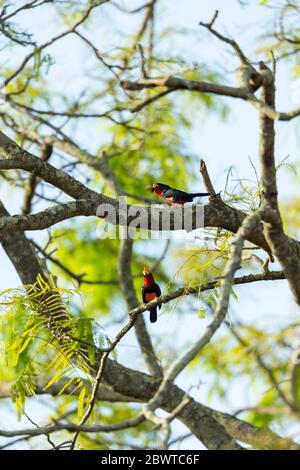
(172, 195)
(150, 291)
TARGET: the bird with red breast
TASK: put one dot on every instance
(150, 291)
(172, 195)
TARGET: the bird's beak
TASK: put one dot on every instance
(150, 187)
(146, 272)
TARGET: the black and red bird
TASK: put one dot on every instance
(150, 291)
(172, 195)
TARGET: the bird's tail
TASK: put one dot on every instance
(153, 314)
(199, 194)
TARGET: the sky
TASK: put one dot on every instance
(221, 143)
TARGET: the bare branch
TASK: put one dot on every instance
(287, 252)
(80, 278)
(206, 180)
(150, 100)
(176, 84)
(32, 181)
(44, 430)
(225, 39)
(18, 158)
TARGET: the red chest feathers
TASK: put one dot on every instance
(158, 191)
(148, 281)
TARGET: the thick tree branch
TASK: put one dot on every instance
(17, 158)
(287, 252)
(260, 438)
(175, 84)
(48, 217)
(216, 214)
(139, 387)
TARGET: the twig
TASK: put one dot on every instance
(33, 181)
(150, 100)
(143, 62)
(78, 277)
(92, 399)
(225, 39)
(42, 430)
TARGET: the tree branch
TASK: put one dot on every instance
(287, 252)
(183, 291)
(175, 84)
(231, 42)
(33, 181)
(216, 214)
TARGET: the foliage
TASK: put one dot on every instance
(33, 343)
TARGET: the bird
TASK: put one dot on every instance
(150, 291)
(172, 195)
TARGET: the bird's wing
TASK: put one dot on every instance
(171, 194)
(175, 194)
(168, 192)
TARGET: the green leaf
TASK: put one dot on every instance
(202, 313)
(81, 400)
